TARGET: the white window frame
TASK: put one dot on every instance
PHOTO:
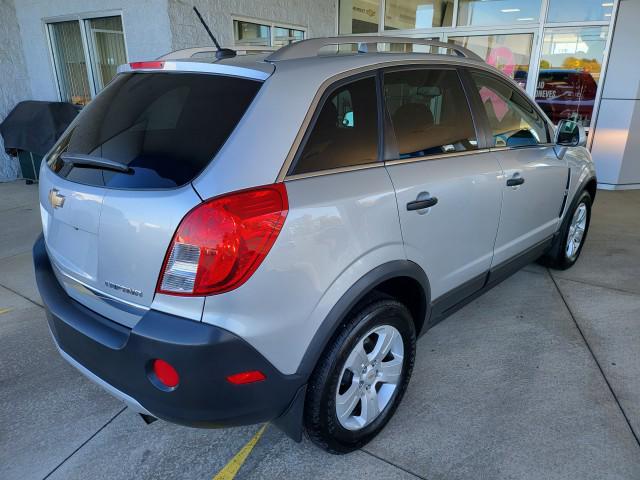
(83, 19)
(267, 23)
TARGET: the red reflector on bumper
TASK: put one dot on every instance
(246, 377)
(165, 373)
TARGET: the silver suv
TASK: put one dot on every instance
(261, 238)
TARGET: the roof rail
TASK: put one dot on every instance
(366, 44)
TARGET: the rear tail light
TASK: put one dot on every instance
(220, 243)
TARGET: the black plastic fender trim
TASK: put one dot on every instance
(365, 285)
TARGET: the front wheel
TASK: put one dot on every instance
(361, 378)
(573, 233)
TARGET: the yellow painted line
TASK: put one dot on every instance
(5, 310)
(230, 470)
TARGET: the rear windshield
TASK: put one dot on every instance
(165, 127)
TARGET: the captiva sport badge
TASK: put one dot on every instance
(121, 288)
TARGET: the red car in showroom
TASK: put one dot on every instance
(566, 94)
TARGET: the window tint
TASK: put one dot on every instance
(166, 127)
(513, 120)
(429, 112)
(346, 130)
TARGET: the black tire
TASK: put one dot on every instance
(557, 257)
(320, 418)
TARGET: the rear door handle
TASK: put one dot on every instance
(422, 204)
(514, 182)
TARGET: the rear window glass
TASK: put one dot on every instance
(165, 127)
(345, 132)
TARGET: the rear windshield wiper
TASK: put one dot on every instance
(95, 161)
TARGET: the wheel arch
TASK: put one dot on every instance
(588, 184)
(591, 186)
(402, 279)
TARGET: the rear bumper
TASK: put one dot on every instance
(118, 358)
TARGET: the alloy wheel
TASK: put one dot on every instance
(576, 231)
(369, 377)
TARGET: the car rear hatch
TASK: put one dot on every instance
(117, 184)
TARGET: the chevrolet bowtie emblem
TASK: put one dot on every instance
(55, 198)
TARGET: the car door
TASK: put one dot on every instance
(534, 180)
(448, 186)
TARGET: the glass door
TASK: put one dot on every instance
(69, 61)
(106, 48)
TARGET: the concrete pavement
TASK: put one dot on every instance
(537, 379)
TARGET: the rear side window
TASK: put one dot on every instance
(429, 112)
(166, 127)
(513, 120)
(345, 132)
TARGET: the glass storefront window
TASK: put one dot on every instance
(498, 12)
(579, 10)
(570, 67)
(508, 53)
(358, 16)
(406, 14)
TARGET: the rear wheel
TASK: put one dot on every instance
(573, 233)
(361, 378)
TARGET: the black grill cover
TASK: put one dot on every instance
(35, 126)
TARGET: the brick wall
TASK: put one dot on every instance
(14, 83)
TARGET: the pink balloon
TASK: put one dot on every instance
(505, 54)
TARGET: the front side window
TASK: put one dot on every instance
(513, 120)
(429, 112)
(345, 132)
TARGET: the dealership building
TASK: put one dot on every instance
(579, 59)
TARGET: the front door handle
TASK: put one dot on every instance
(422, 204)
(514, 182)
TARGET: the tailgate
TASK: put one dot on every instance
(118, 183)
(107, 246)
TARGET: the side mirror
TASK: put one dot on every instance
(570, 134)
